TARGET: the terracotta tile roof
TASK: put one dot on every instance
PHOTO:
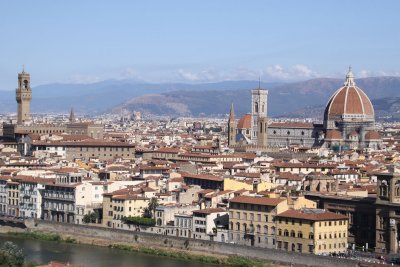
(167, 150)
(94, 143)
(244, 122)
(289, 176)
(333, 135)
(209, 211)
(349, 100)
(312, 215)
(372, 135)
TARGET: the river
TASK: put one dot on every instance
(90, 256)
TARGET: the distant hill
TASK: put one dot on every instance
(304, 99)
(103, 96)
(285, 99)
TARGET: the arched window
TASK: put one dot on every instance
(300, 234)
(238, 226)
(256, 107)
(311, 236)
(383, 189)
(265, 229)
(258, 228)
(286, 233)
(272, 230)
(292, 234)
(279, 232)
(397, 189)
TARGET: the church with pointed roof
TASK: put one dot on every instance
(349, 123)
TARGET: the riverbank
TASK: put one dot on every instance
(107, 237)
(159, 252)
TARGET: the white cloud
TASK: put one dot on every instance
(295, 72)
(129, 73)
(270, 73)
(368, 73)
(201, 76)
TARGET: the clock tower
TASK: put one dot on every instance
(23, 95)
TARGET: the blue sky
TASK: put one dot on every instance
(196, 41)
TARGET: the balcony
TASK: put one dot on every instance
(58, 196)
(72, 210)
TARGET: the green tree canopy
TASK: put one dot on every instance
(11, 255)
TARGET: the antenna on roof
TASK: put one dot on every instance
(259, 82)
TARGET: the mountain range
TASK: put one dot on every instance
(178, 99)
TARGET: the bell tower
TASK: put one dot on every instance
(259, 98)
(23, 95)
(231, 128)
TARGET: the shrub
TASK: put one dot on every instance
(139, 221)
(11, 255)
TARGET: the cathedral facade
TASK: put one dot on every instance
(349, 123)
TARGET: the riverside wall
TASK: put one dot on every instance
(103, 236)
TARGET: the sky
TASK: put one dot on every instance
(88, 41)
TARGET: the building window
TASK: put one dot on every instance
(286, 233)
(300, 234)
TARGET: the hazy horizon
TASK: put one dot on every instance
(207, 41)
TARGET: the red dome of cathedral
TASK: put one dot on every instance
(349, 102)
(244, 122)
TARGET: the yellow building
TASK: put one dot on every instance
(252, 220)
(233, 184)
(122, 203)
(313, 231)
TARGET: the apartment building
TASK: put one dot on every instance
(252, 219)
(207, 221)
(122, 203)
(312, 231)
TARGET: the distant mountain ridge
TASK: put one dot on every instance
(178, 99)
(101, 97)
(292, 99)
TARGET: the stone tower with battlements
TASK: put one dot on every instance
(23, 95)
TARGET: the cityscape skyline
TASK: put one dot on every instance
(189, 42)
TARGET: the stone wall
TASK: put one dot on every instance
(148, 239)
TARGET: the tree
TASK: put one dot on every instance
(139, 221)
(11, 255)
(153, 204)
(91, 217)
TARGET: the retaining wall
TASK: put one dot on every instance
(148, 240)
